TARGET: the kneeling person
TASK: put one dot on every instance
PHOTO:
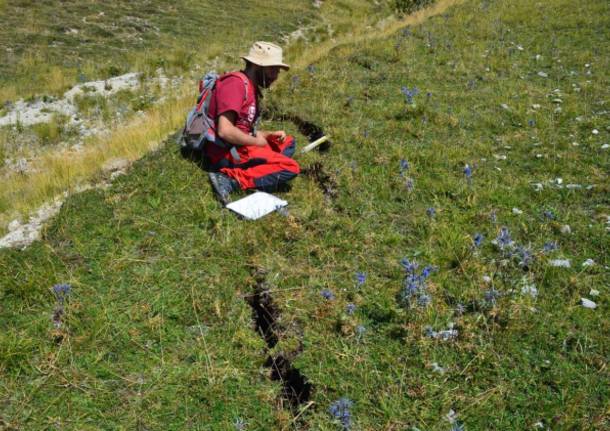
(250, 159)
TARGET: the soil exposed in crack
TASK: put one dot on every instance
(264, 313)
(307, 128)
(296, 390)
(325, 180)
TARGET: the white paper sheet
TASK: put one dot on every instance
(257, 205)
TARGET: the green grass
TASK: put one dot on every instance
(153, 258)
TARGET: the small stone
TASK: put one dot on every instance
(505, 106)
(487, 279)
(595, 131)
(575, 144)
(560, 263)
(587, 263)
(605, 146)
(587, 303)
(517, 211)
(538, 57)
(536, 106)
(538, 187)
(557, 101)
(566, 229)
(594, 292)
(543, 75)
(558, 181)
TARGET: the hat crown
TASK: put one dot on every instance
(266, 54)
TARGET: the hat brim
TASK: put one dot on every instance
(263, 63)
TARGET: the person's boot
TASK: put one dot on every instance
(223, 186)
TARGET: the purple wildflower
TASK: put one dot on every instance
(350, 308)
(525, 256)
(467, 171)
(548, 214)
(409, 266)
(339, 410)
(62, 291)
(503, 239)
(491, 296)
(360, 278)
(477, 239)
(431, 212)
(404, 166)
(294, 82)
(550, 246)
(327, 294)
(409, 94)
(311, 69)
(493, 216)
(410, 184)
(424, 300)
(531, 123)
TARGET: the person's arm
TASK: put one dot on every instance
(228, 132)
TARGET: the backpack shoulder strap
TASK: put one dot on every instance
(244, 79)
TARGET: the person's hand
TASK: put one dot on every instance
(280, 134)
(260, 140)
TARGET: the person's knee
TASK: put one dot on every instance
(291, 147)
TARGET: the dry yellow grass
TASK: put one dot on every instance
(55, 172)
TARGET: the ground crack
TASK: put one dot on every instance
(296, 390)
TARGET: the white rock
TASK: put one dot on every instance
(566, 229)
(530, 289)
(538, 57)
(437, 368)
(558, 181)
(543, 75)
(519, 47)
(560, 263)
(557, 101)
(605, 146)
(536, 106)
(588, 262)
(587, 303)
(587, 65)
(575, 144)
(14, 225)
(594, 292)
(517, 211)
(573, 186)
(487, 279)
(538, 187)
(595, 131)
(500, 156)
(505, 106)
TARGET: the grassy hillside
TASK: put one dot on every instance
(181, 316)
(50, 49)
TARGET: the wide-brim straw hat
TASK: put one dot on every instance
(266, 54)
